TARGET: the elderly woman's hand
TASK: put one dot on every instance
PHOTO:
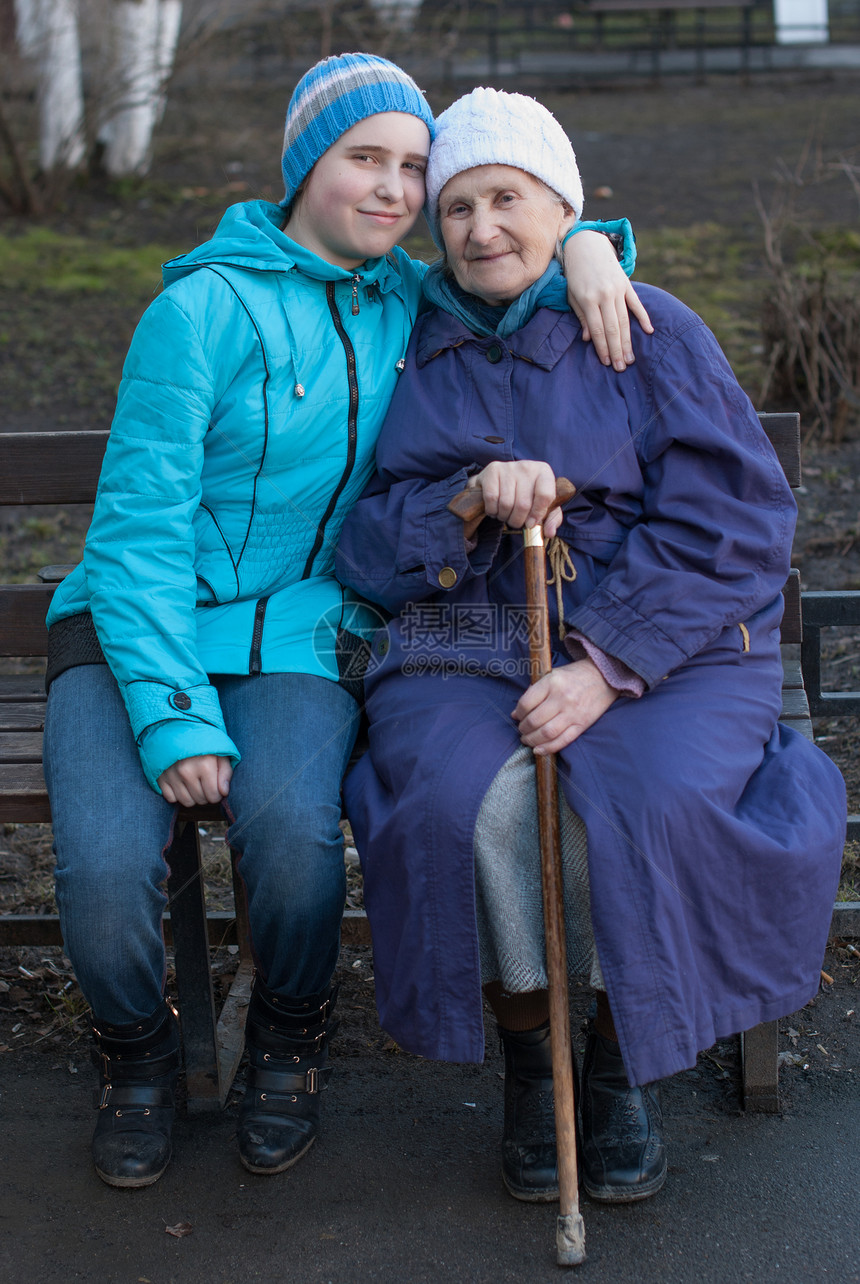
(563, 704)
(518, 492)
(600, 295)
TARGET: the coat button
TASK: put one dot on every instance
(447, 577)
(181, 701)
(494, 354)
(382, 646)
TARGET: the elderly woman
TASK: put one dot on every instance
(702, 839)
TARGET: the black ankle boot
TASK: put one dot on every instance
(529, 1158)
(623, 1155)
(287, 1040)
(138, 1065)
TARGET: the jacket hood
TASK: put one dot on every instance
(249, 237)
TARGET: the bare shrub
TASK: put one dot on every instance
(811, 310)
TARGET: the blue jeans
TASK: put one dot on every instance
(111, 833)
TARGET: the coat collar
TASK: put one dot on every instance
(543, 340)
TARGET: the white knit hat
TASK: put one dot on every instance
(491, 127)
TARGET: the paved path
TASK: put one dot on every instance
(404, 1185)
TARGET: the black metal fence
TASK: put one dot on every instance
(523, 37)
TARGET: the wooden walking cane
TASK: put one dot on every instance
(570, 1229)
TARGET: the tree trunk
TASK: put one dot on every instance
(48, 32)
(143, 43)
(168, 36)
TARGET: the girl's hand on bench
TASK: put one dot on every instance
(191, 782)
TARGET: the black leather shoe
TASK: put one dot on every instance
(287, 1041)
(529, 1159)
(623, 1155)
(138, 1065)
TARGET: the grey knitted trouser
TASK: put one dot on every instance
(508, 887)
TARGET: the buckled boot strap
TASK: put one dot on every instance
(132, 1095)
(286, 1083)
(291, 1013)
(136, 1068)
(137, 1036)
(281, 1046)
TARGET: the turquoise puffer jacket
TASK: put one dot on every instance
(247, 419)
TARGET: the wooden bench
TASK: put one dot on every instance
(63, 468)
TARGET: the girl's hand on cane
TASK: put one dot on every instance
(191, 782)
(563, 704)
(518, 493)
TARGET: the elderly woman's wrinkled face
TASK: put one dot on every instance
(500, 227)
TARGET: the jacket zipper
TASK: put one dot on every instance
(255, 664)
(352, 421)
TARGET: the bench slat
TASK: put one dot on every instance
(791, 629)
(23, 608)
(20, 746)
(17, 688)
(792, 676)
(51, 467)
(23, 797)
(783, 430)
(23, 717)
(795, 711)
(44, 929)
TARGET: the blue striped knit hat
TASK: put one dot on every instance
(335, 95)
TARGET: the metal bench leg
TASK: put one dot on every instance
(231, 1025)
(193, 975)
(759, 1064)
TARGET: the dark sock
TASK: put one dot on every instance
(517, 1012)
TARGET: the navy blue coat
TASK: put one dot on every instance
(714, 833)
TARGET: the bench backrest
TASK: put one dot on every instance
(63, 468)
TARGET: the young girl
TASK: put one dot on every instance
(183, 664)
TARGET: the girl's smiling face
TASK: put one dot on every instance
(365, 192)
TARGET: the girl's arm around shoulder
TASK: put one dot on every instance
(599, 291)
(401, 544)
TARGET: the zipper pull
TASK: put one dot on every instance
(355, 281)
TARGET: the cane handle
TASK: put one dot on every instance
(468, 504)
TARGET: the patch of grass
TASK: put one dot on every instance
(43, 259)
(716, 272)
